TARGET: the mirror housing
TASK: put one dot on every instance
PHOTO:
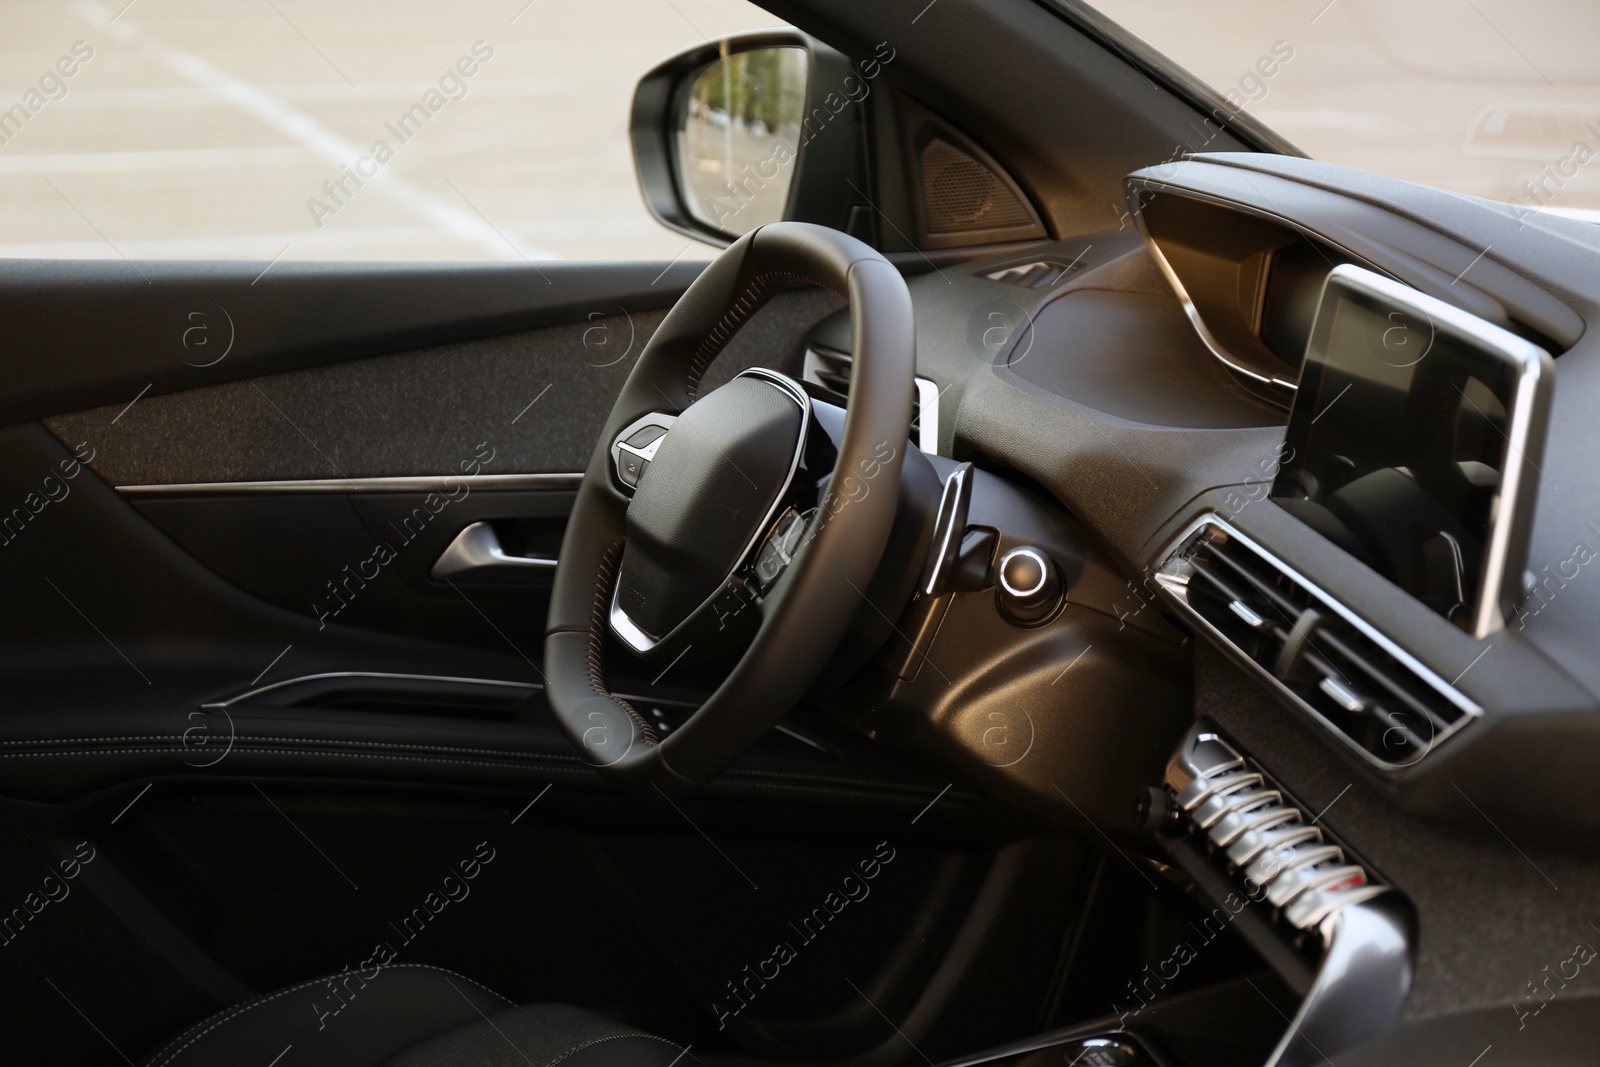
(825, 167)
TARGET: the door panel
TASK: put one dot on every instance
(277, 750)
(82, 333)
(328, 568)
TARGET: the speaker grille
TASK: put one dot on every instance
(960, 194)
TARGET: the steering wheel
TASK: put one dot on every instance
(742, 519)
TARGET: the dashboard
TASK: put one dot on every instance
(1147, 379)
(1110, 393)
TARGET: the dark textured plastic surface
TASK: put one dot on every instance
(88, 332)
(1136, 356)
(536, 398)
(1493, 911)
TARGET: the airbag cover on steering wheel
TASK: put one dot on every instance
(703, 499)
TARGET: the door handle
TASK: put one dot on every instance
(476, 553)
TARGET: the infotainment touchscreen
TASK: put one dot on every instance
(1414, 444)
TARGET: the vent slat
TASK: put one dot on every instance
(1353, 680)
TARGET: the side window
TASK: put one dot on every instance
(469, 130)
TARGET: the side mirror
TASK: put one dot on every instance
(750, 129)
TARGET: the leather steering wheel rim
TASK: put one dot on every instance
(808, 611)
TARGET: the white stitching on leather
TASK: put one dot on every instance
(613, 1037)
(239, 1009)
(596, 651)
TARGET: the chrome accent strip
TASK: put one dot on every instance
(1360, 989)
(1212, 344)
(1176, 591)
(1342, 695)
(423, 483)
(647, 452)
(1044, 571)
(631, 632)
(1244, 611)
(1365, 974)
(1234, 825)
(1312, 907)
(1252, 843)
(927, 415)
(949, 527)
(1243, 801)
(1201, 789)
(1158, 186)
(619, 445)
(527, 687)
(1269, 864)
(301, 680)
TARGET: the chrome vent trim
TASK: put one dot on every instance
(1336, 667)
(1214, 346)
(1035, 274)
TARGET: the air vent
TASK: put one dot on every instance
(1038, 274)
(830, 368)
(960, 194)
(1369, 691)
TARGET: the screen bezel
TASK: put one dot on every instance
(1527, 408)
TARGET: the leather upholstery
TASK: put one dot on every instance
(409, 1015)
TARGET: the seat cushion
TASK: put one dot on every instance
(412, 1015)
(545, 1035)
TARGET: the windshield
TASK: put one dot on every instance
(1497, 98)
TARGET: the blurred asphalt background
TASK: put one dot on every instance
(200, 128)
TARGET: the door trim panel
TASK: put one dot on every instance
(430, 483)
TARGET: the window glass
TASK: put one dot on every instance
(377, 129)
(1497, 98)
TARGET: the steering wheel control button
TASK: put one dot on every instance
(637, 444)
(1029, 588)
(630, 468)
(643, 437)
